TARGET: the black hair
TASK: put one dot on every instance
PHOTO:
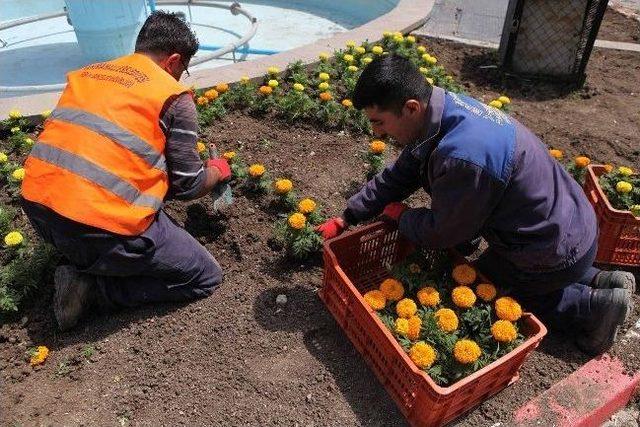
(168, 33)
(388, 82)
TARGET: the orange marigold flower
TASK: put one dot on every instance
(306, 206)
(582, 161)
(200, 146)
(608, 168)
(222, 87)
(202, 100)
(463, 296)
(377, 146)
(402, 326)
(504, 331)
(256, 170)
(508, 309)
(422, 354)
(211, 94)
(466, 351)
(375, 299)
(297, 221)
(229, 155)
(392, 289)
(429, 296)
(406, 308)
(39, 355)
(325, 96)
(265, 90)
(414, 326)
(464, 274)
(556, 154)
(486, 291)
(446, 319)
(347, 103)
(283, 186)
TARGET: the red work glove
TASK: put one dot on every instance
(331, 227)
(394, 210)
(223, 167)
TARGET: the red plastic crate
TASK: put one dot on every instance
(619, 239)
(354, 263)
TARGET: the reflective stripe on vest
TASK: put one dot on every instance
(94, 173)
(115, 133)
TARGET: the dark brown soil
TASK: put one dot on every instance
(235, 358)
(619, 28)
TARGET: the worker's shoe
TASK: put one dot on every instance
(610, 308)
(615, 279)
(73, 294)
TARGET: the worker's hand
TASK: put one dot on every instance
(394, 210)
(331, 227)
(223, 168)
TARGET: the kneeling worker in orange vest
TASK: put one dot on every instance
(120, 142)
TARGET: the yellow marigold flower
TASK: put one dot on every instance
(423, 70)
(464, 274)
(297, 221)
(421, 49)
(486, 291)
(39, 356)
(398, 39)
(15, 129)
(350, 44)
(377, 146)
(352, 68)
(323, 86)
(375, 299)
(392, 289)
(15, 114)
(273, 83)
(414, 268)
(429, 80)
(273, 70)
(463, 296)
(323, 56)
(18, 174)
(45, 113)
(504, 99)
(415, 324)
(387, 34)
(508, 309)
(504, 331)
(556, 154)
(429, 296)
(13, 238)
(495, 104)
(406, 308)
(366, 60)
(347, 103)
(325, 96)
(324, 77)
(431, 60)
(202, 100)
(229, 155)
(582, 161)
(402, 326)
(635, 210)
(466, 351)
(211, 94)
(306, 206)
(625, 171)
(256, 170)
(624, 187)
(222, 87)
(360, 50)
(377, 50)
(448, 78)
(608, 168)
(244, 79)
(422, 354)
(446, 319)
(265, 90)
(299, 87)
(200, 146)
(348, 58)
(28, 142)
(3, 157)
(411, 39)
(283, 186)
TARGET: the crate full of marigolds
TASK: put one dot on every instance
(438, 335)
(614, 193)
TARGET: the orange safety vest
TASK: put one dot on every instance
(100, 158)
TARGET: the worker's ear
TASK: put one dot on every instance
(412, 106)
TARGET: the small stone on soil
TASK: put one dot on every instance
(281, 300)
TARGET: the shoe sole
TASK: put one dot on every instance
(622, 317)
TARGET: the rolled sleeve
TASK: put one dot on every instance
(463, 196)
(186, 171)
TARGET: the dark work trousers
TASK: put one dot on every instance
(165, 263)
(562, 299)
